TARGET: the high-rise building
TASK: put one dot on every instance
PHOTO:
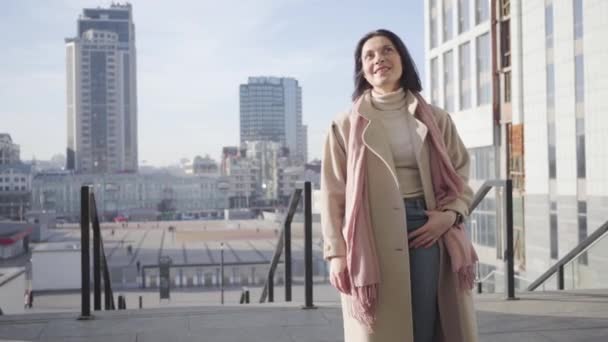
(271, 110)
(15, 180)
(102, 92)
(9, 151)
(458, 79)
(528, 96)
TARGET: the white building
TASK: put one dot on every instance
(543, 94)
(458, 79)
(102, 92)
(241, 181)
(565, 81)
(47, 258)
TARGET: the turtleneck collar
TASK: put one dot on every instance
(390, 101)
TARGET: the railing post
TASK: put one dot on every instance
(560, 277)
(84, 255)
(222, 273)
(308, 245)
(509, 254)
(96, 254)
(270, 284)
(288, 276)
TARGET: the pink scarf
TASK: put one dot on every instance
(362, 275)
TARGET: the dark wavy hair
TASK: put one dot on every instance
(409, 79)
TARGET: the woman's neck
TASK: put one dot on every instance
(388, 101)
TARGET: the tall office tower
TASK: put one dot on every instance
(102, 92)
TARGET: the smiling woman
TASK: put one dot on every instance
(394, 192)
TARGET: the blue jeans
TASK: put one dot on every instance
(424, 275)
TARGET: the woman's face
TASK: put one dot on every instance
(381, 64)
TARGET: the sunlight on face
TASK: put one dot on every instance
(381, 64)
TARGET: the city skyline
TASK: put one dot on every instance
(189, 72)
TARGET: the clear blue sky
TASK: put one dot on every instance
(192, 56)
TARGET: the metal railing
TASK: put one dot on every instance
(88, 217)
(558, 267)
(284, 242)
(508, 254)
(491, 275)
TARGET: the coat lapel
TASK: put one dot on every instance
(375, 139)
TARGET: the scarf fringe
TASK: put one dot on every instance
(363, 305)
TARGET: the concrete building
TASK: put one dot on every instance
(102, 92)
(15, 181)
(204, 166)
(9, 151)
(547, 82)
(564, 102)
(271, 158)
(119, 194)
(271, 110)
(458, 79)
(45, 259)
(241, 181)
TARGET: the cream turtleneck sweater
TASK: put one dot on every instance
(400, 125)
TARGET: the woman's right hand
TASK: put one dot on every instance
(338, 274)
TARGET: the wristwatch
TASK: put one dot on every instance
(459, 217)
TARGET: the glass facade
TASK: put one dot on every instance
(482, 11)
(464, 52)
(464, 20)
(448, 81)
(484, 75)
(435, 81)
(433, 22)
(448, 20)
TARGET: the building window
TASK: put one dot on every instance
(482, 163)
(448, 81)
(507, 87)
(505, 43)
(550, 86)
(464, 52)
(579, 77)
(553, 235)
(506, 8)
(434, 81)
(482, 223)
(578, 19)
(549, 26)
(464, 22)
(552, 151)
(448, 20)
(482, 11)
(484, 79)
(433, 23)
(581, 167)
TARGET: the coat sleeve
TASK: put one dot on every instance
(459, 156)
(333, 185)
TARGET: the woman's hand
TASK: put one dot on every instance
(439, 222)
(338, 274)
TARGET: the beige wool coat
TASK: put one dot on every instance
(387, 210)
